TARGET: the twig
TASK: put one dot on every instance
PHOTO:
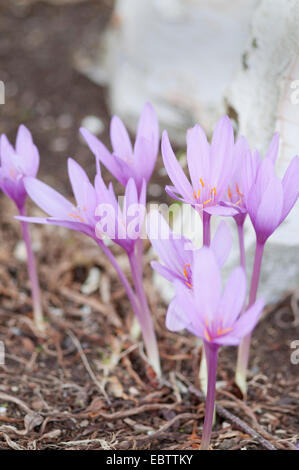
(235, 420)
(167, 425)
(86, 364)
(136, 411)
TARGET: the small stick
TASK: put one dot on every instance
(235, 420)
(86, 364)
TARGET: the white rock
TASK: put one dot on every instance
(93, 124)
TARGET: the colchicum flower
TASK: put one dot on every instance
(95, 213)
(213, 316)
(176, 252)
(125, 162)
(15, 165)
(210, 168)
(270, 200)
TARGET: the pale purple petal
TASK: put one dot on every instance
(233, 298)
(247, 321)
(148, 127)
(47, 198)
(174, 170)
(222, 242)
(111, 162)
(206, 282)
(27, 151)
(120, 139)
(268, 216)
(222, 154)
(290, 185)
(144, 158)
(272, 151)
(198, 156)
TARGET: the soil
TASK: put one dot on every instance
(86, 383)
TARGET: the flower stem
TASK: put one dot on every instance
(203, 371)
(32, 273)
(212, 356)
(145, 317)
(240, 227)
(206, 222)
(243, 350)
(144, 320)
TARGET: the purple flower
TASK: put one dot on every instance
(17, 163)
(270, 199)
(246, 165)
(207, 312)
(123, 224)
(96, 212)
(79, 217)
(210, 168)
(177, 252)
(125, 162)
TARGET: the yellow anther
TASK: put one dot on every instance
(238, 191)
(76, 216)
(185, 270)
(206, 202)
(229, 193)
(213, 190)
(202, 183)
(220, 331)
(207, 335)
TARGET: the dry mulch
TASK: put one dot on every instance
(87, 385)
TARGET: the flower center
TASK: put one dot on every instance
(209, 196)
(77, 214)
(238, 195)
(210, 333)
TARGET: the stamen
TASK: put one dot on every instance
(207, 335)
(185, 270)
(206, 202)
(12, 173)
(202, 183)
(213, 190)
(238, 191)
(229, 193)
(220, 331)
(76, 216)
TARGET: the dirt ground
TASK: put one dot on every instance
(86, 384)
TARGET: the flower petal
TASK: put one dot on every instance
(47, 198)
(233, 298)
(272, 151)
(198, 156)
(221, 243)
(174, 169)
(290, 185)
(120, 139)
(27, 151)
(206, 282)
(148, 128)
(269, 212)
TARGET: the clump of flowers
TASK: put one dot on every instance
(226, 179)
(16, 164)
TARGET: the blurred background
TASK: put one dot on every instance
(38, 41)
(68, 63)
